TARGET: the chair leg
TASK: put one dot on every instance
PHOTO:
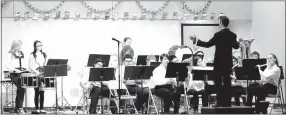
(273, 104)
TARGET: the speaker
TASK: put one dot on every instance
(228, 110)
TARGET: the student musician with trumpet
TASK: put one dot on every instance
(268, 83)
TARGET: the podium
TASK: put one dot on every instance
(139, 73)
(101, 74)
(57, 68)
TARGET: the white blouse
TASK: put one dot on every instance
(271, 75)
(13, 62)
(39, 61)
(197, 85)
(158, 77)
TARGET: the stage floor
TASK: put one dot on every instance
(276, 110)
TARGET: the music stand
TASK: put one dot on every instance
(139, 72)
(156, 64)
(101, 74)
(177, 70)
(93, 57)
(59, 69)
(141, 59)
(206, 72)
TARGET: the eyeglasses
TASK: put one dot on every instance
(39, 45)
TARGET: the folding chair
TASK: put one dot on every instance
(279, 94)
(113, 87)
(153, 100)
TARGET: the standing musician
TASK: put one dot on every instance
(37, 60)
(164, 86)
(224, 41)
(237, 85)
(94, 88)
(15, 66)
(269, 81)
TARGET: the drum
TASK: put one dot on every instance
(49, 83)
(29, 80)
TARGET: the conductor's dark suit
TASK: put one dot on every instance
(224, 41)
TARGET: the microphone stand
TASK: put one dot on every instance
(119, 77)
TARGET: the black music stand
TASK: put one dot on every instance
(56, 68)
(177, 70)
(101, 74)
(93, 57)
(138, 72)
(141, 59)
(206, 73)
(156, 64)
(250, 68)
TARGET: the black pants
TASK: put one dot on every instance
(261, 91)
(195, 100)
(223, 91)
(142, 97)
(237, 91)
(94, 96)
(20, 91)
(169, 95)
(39, 94)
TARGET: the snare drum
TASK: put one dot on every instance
(49, 83)
(29, 80)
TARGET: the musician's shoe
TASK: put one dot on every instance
(37, 111)
(196, 111)
(43, 111)
(20, 111)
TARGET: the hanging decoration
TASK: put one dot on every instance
(3, 3)
(100, 11)
(192, 11)
(150, 11)
(44, 11)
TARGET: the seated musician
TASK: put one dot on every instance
(37, 60)
(195, 87)
(237, 85)
(149, 59)
(134, 86)
(164, 86)
(14, 65)
(255, 55)
(94, 88)
(173, 59)
(269, 81)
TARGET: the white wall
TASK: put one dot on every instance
(268, 29)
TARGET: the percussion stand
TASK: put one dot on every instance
(7, 85)
(63, 98)
(84, 103)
